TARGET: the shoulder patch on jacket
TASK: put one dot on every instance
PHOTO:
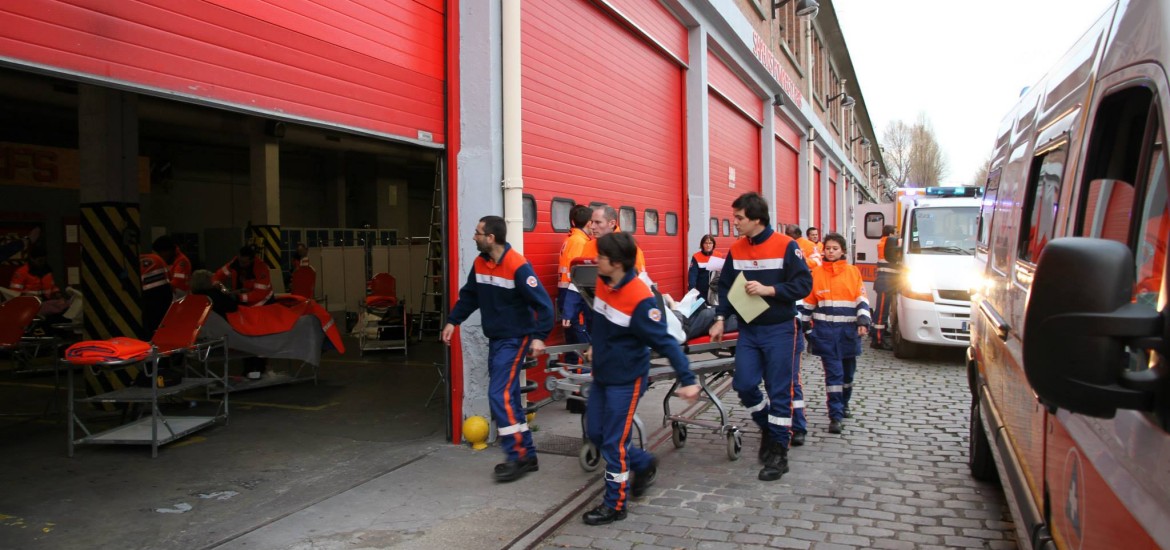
(655, 314)
(531, 281)
(799, 254)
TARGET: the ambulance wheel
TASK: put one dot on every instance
(589, 457)
(678, 435)
(734, 444)
(903, 349)
(979, 457)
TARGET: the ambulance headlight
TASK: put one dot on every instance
(917, 285)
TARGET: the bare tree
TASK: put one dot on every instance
(896, 151)
(927, 165)
(984, 170)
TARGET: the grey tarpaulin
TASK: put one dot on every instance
(302, 343)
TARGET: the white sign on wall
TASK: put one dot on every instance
(731, 177)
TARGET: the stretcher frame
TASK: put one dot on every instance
(230, 384)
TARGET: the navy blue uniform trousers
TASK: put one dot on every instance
(609, 424)
(505, 361)
(768, 352)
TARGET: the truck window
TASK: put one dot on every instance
(943, 230)
(1041, 202)
(1150, 255)
(988, 206)
(874, 222)
(1120, 139)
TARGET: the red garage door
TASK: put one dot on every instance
(834, 201)
(603, 122)
(787, 174)
(734, 113)
(374, 67)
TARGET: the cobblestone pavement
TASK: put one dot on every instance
(896, 478)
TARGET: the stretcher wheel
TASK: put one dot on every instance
(550, 383)
(589, 457)
(678, 435)
(734, 444)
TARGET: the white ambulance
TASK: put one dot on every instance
(937, 229)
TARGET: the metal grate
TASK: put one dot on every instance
(557, 444)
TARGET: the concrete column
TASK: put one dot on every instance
(111, 228)
(768, 161)
(698, 141)
(265, 177)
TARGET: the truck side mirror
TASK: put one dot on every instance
(1078, 325)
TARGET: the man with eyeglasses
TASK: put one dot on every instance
(517, 316)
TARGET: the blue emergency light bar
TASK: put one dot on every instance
(962, 191)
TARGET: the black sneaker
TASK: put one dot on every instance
(603, 515)
(835, 426)
(645, 478)
(515, 469)
(848, 413)
(798, 439)
(765, 445)
(777, 464)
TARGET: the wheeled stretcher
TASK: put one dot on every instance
(710, 361)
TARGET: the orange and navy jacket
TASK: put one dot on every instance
(257, 282)
(153, 270)
(837, 297)
(626, 320)
(809, 250)
(179, 273)
(30, 283)
(571, 249)
(507, 294)
(698, 276)
(886, 264)
(590, 251)
(772, 259)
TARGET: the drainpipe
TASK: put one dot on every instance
(513, 171)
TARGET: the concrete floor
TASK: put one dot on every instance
(285, 449)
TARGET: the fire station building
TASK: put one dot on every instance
(378, 133)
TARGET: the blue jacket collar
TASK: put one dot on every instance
(629, 277)
(488, 255)
(763, 236)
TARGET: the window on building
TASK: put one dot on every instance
(819, 73)
(650, 221)
(726, 228)
(788, 27)
(671, 223)
(628, 219)
(529, 212)
(561, 208)
(1041, 202)
(713, 228)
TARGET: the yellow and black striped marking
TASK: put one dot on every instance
(110, 284)
(267, 241)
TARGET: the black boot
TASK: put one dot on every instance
(777, 464)
(848, 413)
(603, 514)
(515, 469)
(643, 479)
(765, 445)
(798, 439)
(835, 426)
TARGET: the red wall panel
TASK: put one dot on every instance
(376, 66)
(834, 200)
(720, 77)
(734, 143)
(787, 184)
(602, 121)
(652, 18)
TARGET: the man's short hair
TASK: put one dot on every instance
(811, 229)
(580, 215)
(754, 207)
(793, 230)
(247, 251)
(619, 248)
(610, 213)
(495, 226)
(887, 230)
(838, 238)
(163, 244)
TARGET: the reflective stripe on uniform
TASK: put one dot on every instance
(834, 318)
(779, 421)
(840, 303)
(514, 428)
(495, 281)
(620, 477)
(758, 265)
(834, 389)
(759, 407)
(849, 385)
(798, 404)
(155, 284)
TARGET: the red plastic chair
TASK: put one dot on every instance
(304, 282)
(181, 325)
(383, 284)
(15, 317)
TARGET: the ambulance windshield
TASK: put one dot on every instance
(944, 230)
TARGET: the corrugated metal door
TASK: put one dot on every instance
(375, 67)
(602, 122)
(734, 114)
(787, 174)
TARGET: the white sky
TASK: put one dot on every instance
(962, 63)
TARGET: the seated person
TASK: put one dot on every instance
(221, 302)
